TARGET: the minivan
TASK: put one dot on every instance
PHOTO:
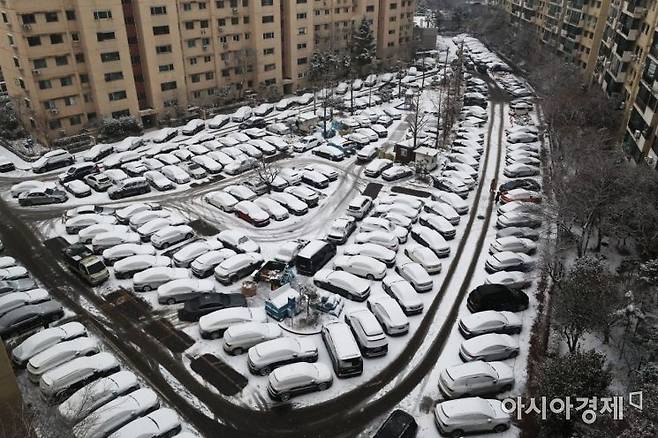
(314, 256)
(129, 187)
(343, 349)
(367, 332)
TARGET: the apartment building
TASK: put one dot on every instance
(69, 63)
(616, 44)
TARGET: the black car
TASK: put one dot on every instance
(6, 166)
(398, 425)
(254, 122)
(28, 317)
(496, 297)
(23, 284)
(78, 171)
(207, 303)
(521, 183)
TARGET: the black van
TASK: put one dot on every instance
(496, 297)
(398, 425)
(314, 256)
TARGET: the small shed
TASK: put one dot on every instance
(283, 303)
(428, 157)
(404, 151)
(306, 122)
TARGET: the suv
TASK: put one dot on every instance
(367, 332)
(53, 160)
(78, 171)
(359, 207)
(496, 297)
(129, 187)
(98, 181)
(256, 185)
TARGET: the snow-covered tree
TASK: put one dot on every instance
(363, 47)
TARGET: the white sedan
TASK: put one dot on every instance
(343, 283)
(177, 291)
(404, 293)
(240, 192)
(415, 274)
(362, 266)
(509, 261)
(432, 239)
(425, 257)
(489, 321)
(521, 137)
(382, 224)
(273, 208)
(492, 346)
(383, 238)
(444, 210)
(514, 244)
(372, 250)
(389, 314)
(460, 205)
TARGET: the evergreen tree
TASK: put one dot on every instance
(363, 48)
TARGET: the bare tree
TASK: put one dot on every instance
(417, 119)
(267, 171)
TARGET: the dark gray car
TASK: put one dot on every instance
(41, 197)
(28, 317)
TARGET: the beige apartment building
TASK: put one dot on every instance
(616, 44)
(69, 63)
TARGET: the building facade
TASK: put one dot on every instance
(616, 44)
(69, 63)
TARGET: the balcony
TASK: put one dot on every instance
(634, 10)
(628, 33)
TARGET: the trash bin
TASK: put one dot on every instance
(249, 288)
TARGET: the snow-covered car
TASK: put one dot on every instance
(240, 192)
(237, 241)
(151, 279)
(275, 210)
(518, 147)
(384, 238)
(415, 274)
(406, 200)
(439, 224)
(298, 378)
(43, 196)
(464, 159)
(377, 166)
(389, 314)
(276, 141)
(515, 219)
(204, 265)
(263, 145)
(103, 241)
(360, 265)
(142, 217)
(134, 168)
(522, 195)
(373, 250)
(171, 235)
(509, 261)
(471, 415)
(425, 257)
(77, 188)
(237, 267)
(13, 273)
(476, 378)
(208, 164)
(329, 152)
(382, 224)
(159, 181)
(489, 321)
(341, 229)
(176, 174)
(178, 291)
(396, 172)
(241, 114)
(461, 167)
(514, 244)
(159, 423)
(116, 176)
(88, 209)
(184, 256)
(250, 150)
(291, 202)
(522, 158)
(59, 354)
(239, 338)
(193, 126)
(252, 213)
(221, 200)
(214, 324)
(121, 251)
(512, 279)
(241, 165)
(154, 225)
(315, 179)
(99, 181)
(460, 205)
(452, 185)
(220, 157)
(488, 347)
(14, 300)
(342, 283)
(431, 239)
(309, 196)
(266, 356)
(524, 232)
(398, 208)
(219, 121)
(45, 339)
(194, 170)
(77, 223)
(404, 293)
(129, 266)
(87, 234)
(521, 137)
(359, 138)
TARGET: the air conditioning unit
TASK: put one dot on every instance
(205, 48)
(36, 72)
(54, 111)
(234, 11)
(27, 27)
(637, 133)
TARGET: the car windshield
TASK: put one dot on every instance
(95, 268)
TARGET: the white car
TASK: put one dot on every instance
(177, 291)
(359, 207)
(432, 239)
(444, 210)
(343, 283)
(204, 265)
(329, 152)
(240, 192)
(87, 234)
(519, 169)
(463, 159)
(514, 244)
(237, 267)
(298, 378)
(492, 346)
(373, 250)
(377, 166)
(56, 382)
(263, 145)
(176, 174)
(153, 226)
(398, 219)
(362, 266)
(460, 205)
(399, 208)
(171, 235)
(215, 324)
(184, 256)
(415, 274)
(404, 293)
(124, 250)
(45, 339)
(159, 181)
(77, 223)
(241, 337)
(424, 257)
(310, 197)
(476, 378)
(452, 185)
(266, 356)
(439, 224)
(463, 177)
(389, 314)
(103, 241)
(14, 300)
(276, 141)
(94, 395)
(386, 239)
(489, 321)
(471, 415)
(522, 158)
(59, 354)
(221, 200)
(143, 217)
(273, 208)
(516, 220)
(360, 138)
(159, 423)
(126, 268)
(152, 278)
(462, 167)
(396, 172)
(509, 261)
(123, 215)
(512, 279)
(382, 224)
(77, 188)
(252, 213)
(521, 137)
(237, 241)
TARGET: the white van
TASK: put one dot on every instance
(213, 325)
(343, 349)
(367, 331)
(241, 337)
(74, 374)
(59, 354)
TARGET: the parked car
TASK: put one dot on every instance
(513, 244)
(221, 200)
(343, 283)
(266, 356)
(496, 297)
(78, 222)
(42, 196)
(152, 278)
(359, 206)
(275, 210)
(341, 229)
(389, 314)
(331, 153)
(367, 332)
(78, 172)
(59, 354)
(315, 179)
(377, 166)
(439, 224)
(52, 160)
(425, 257)
(489, 347)
(61, 381)
(403, 293)
(252, 213)
(518, 220)
(237, 267)
(181, 290)
(396, 172)
(99, 181)
(171, 235)
(362, 266)
(431, 239)
(398, 425)
(509, 261)
(452, 185)
(298, 378)
(237, 241)
(129, 187)
(519, 169)
(513, 279)
(373, 250)
(476, 378)
(195, 308)
(128, 267)
(162, 422)
(204, 265)
(415, 274)
(379, 237)
(27, 317)
(291, 202)
(215, 324)
(102, 241)
(124, 250)
(241, 337)
(471, 415)
(489, 321)
(381, 224)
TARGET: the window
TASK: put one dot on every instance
(45, 84)
(202, 5)
(270, 67)
(170, 103)
(245, 3)
(51, 17)
(114, 76)
(55, 124)
(166, 67)
(56, 38)
(268, 51)
(66, 81)
(370, 8)
(207, 58)
(158, 10)
(84, 78)
(301, 46)
(75, 36)
(39, 63)
(266, 2)
(69, 101)
(91, 116)
(210, 76)
(203, 24)
(236, 37)
(219, 4)
(393, 18)
(195, 78)
(301, 16)
(79, 58)
(233, 3)
(193, 61)
(268, 35)
(205, 41)
(117, 95)
(61, 60)
(105, 36)
(49, 104)
(160, 30)
(300, 2)
(28, 19)
(75, 120)
(31, 41)
(102, 15)
(393, 6)
(245, 20)
(191, 43)
(4, 18)
(119, 114)
(163, 49)
(168, 86)
(132, 40)
(17, 63)
(268, 18)
(135, 60)
(269, 82)
(226, 73)
(110, 56)
(189, 25)
(196, 94)
(247, 35)
(235, 20)
(187, 6)
(301, 31)
(302, 61)
(221, 22)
